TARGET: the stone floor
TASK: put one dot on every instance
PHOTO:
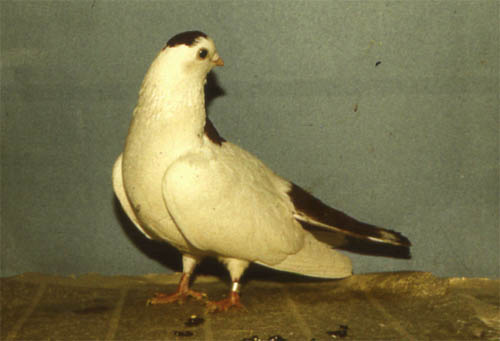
(385, 306)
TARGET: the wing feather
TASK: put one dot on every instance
(324, 221)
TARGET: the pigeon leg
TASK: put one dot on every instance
(236, 268)
(183, 291)
(233, 301)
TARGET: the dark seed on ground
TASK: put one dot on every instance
(252, 338)
(276, 338)
(194, 321)
(183, 333)
(342, 332)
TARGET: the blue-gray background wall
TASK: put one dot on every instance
(411, 144)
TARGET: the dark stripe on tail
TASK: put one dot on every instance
(339, 240)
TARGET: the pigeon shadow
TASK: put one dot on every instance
(163, 253)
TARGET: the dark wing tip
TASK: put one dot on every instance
(185, 38)
(316, 210)
(364, 247)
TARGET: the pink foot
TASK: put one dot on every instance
(180, 296)
(233, 301)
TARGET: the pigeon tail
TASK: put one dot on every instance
(315, 259)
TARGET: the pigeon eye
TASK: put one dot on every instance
(203, 53)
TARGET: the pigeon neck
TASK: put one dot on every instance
(180, 103)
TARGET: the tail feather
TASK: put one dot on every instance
(315, 259)
(327, 223)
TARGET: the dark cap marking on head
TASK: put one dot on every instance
(185, 38)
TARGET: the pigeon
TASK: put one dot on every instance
(181, 182)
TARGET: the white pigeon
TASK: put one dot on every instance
(179, 181)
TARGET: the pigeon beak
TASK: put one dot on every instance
(218, 60)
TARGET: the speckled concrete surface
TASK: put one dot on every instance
(386, 306)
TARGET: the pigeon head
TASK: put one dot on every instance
(192, 54)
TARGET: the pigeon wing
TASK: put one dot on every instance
(340, 230)
(227, 202)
